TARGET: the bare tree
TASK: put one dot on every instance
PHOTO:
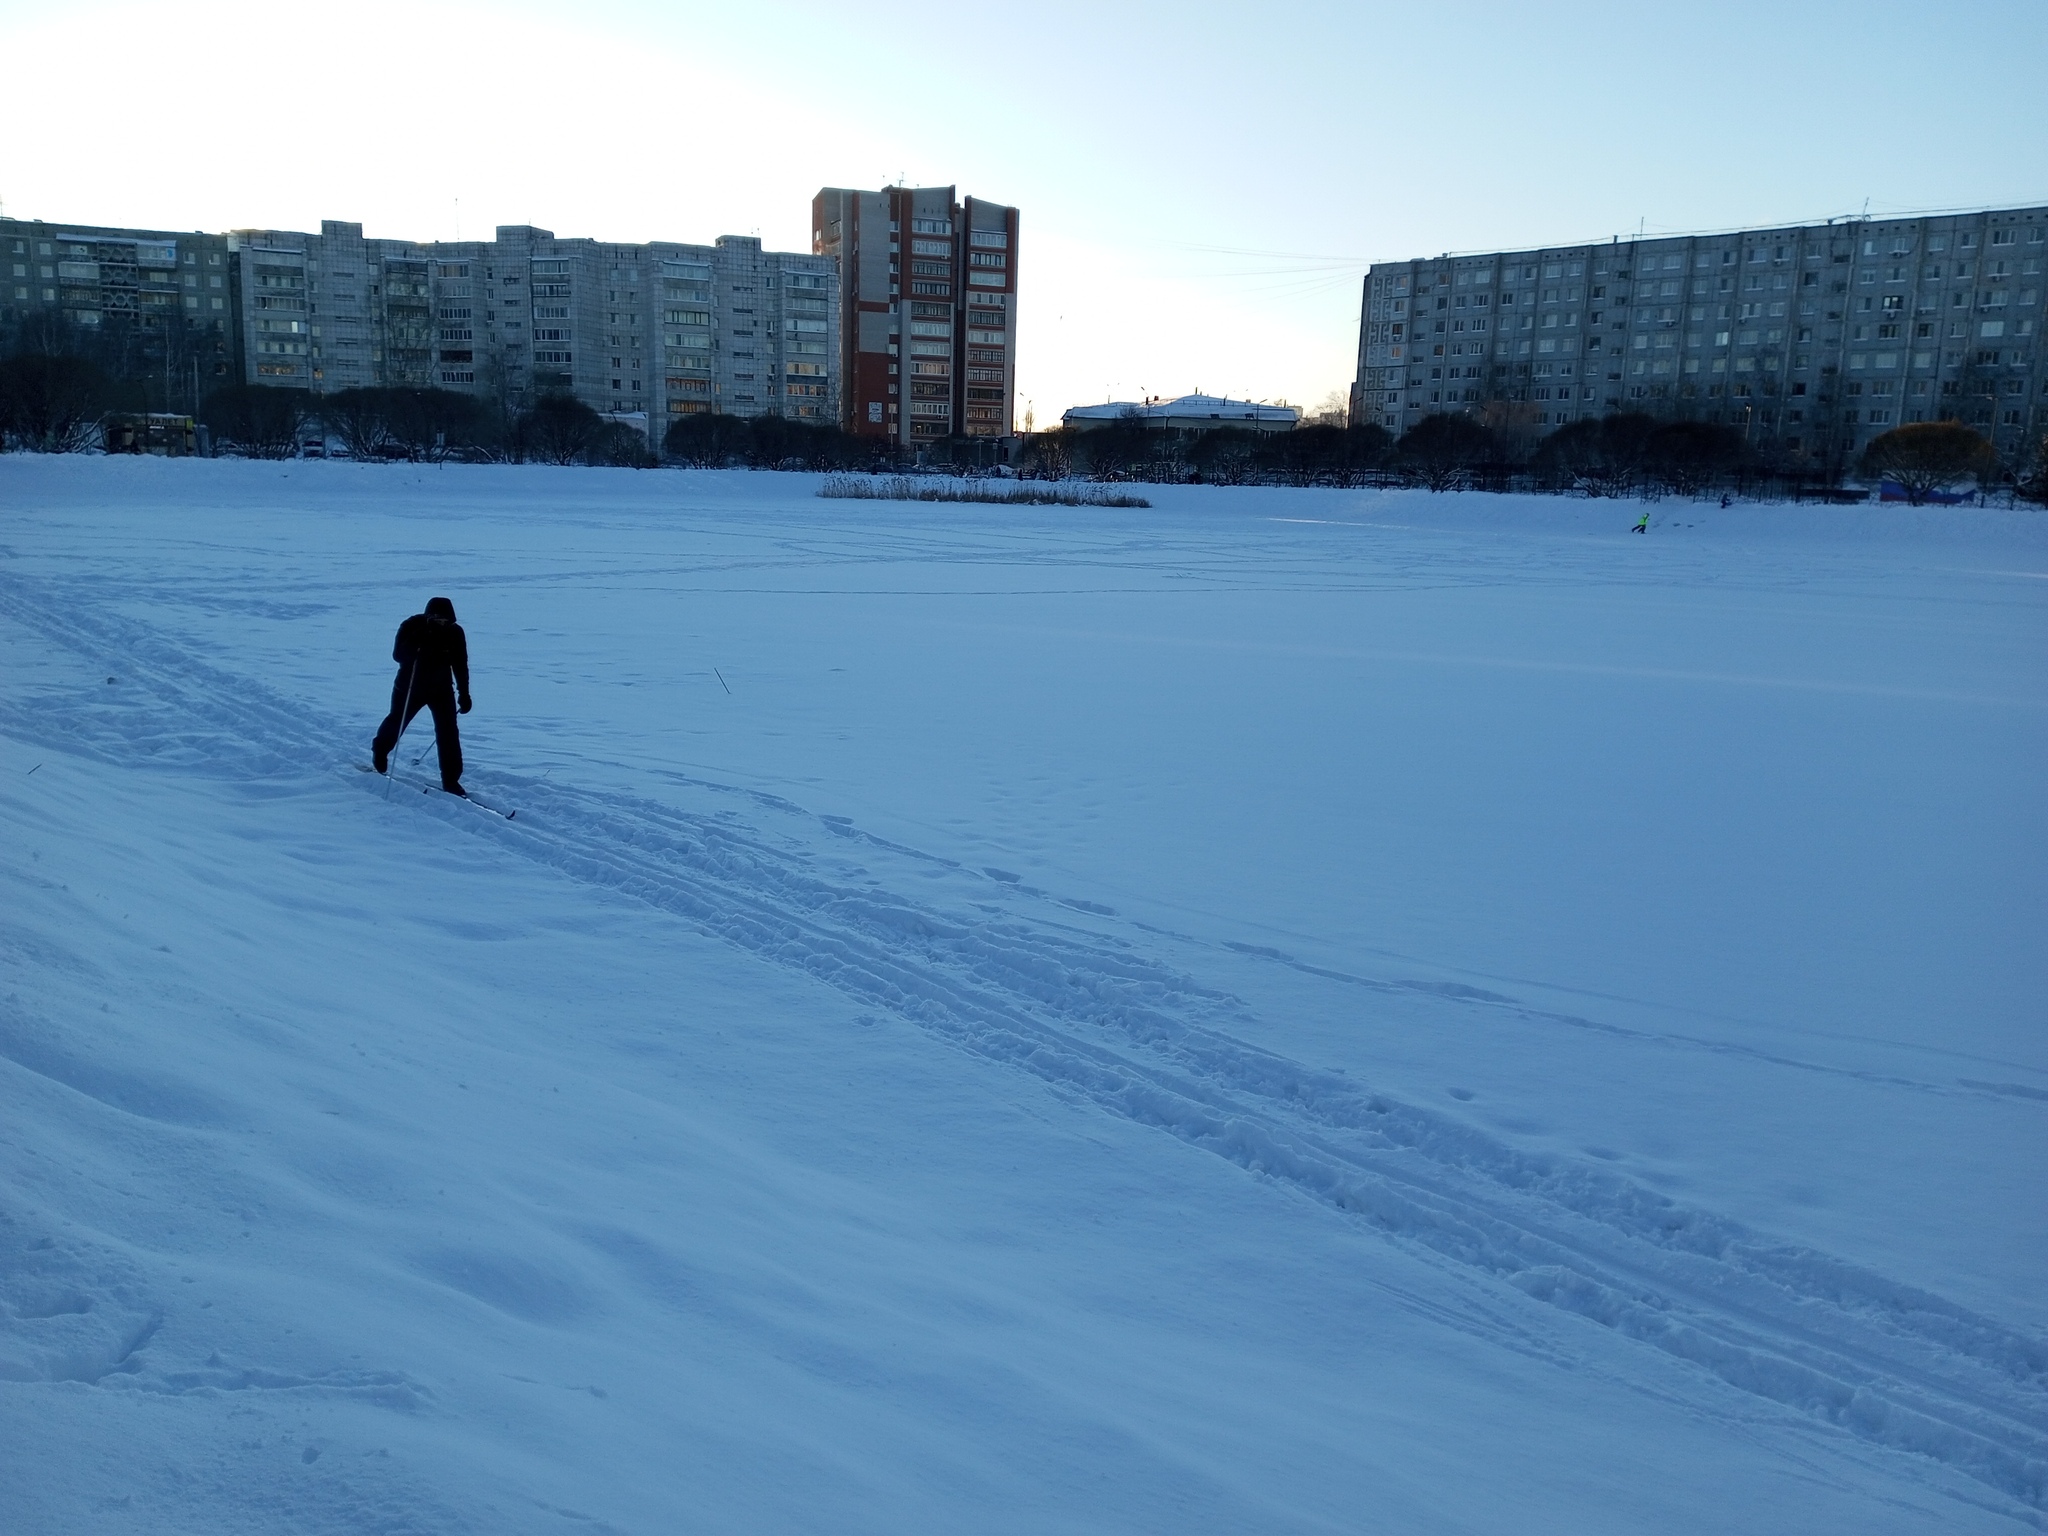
(1442, 451)
(1335, 411)
(1226, 455)
(1689, 456)
(2033, 482)
(264, 423)
(359, 417)
(707, 440)
(52, 404)
(1513, 424)
(1608, 457)
(432, 424)
(1121, 447)
(1926, 458)
(560, 429)
(1049, 453)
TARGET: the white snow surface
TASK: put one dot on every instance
(1286, 1011)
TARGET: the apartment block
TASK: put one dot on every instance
(654, 330)
(155, 306)
(927, 333)
(1813, 338)
(332, 310)
(663, 329)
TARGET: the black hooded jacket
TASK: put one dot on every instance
(440, 649)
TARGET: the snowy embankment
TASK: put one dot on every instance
(1283, 1011)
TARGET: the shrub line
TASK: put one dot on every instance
(904, 488)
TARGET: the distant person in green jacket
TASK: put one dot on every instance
(1642, 524)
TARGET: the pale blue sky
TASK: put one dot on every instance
(1201, 184)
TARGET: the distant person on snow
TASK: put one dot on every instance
(1642, 526)
(433, 673)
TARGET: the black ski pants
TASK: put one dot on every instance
(446, 739)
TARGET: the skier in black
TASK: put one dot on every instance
(429, 650)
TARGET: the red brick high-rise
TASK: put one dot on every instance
(927, 314)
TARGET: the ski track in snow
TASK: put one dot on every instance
(1065, 991)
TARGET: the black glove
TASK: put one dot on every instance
(462, 705)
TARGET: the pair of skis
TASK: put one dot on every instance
(482, 805)
(469, 795)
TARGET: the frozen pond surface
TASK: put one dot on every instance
(1284, 1011)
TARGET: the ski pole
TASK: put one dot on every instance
(404, 717)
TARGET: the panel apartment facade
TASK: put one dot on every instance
(155, 306)
(656, 330)
(927, 334)
(332, 311)
(1812, 337)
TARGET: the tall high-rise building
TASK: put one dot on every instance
(1812, 338)
(927, 334)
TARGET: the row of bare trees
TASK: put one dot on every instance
(1632, 455)
(54, 402)
(1624, 454)
(421, 426)
(1618, 455)
(61, 404)
(712, 440)
(60, 381)
(1321, 454)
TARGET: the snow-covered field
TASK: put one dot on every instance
(1283, 1012)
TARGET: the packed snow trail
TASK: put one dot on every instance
(1093, 1006)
